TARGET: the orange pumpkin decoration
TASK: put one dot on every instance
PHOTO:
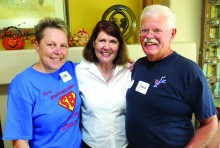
(13, 42)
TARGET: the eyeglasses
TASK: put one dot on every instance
(143, 32)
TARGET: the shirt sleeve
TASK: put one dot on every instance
(18, 119)
(201, 99)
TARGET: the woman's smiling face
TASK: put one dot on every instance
(106, 47)
(52, 49)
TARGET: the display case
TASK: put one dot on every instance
(210, 46)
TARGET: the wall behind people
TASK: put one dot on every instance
(188, 16)
(85, 14)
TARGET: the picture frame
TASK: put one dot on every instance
(27, 13)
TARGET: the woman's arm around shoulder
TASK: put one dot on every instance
(20, 144)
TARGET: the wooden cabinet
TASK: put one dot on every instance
(210, 46)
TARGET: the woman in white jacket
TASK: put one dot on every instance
(103, 78)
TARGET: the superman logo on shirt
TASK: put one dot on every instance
(68, 101)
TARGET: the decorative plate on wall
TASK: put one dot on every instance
(123, 17)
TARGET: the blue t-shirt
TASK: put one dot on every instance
(162, 99)
(44, 108)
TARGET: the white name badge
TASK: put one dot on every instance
(65, 76)
(142, 87)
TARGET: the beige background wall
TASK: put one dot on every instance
(188, 16)
(87, 15)
(188, 21)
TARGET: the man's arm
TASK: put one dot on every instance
(215, 143)
(205, 133)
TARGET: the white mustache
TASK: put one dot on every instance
(150, 41)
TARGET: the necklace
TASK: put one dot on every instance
(109, 75)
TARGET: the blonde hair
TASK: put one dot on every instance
(48, 22)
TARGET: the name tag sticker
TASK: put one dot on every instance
(65, 76)
(142, 87)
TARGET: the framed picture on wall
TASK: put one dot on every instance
(27, 13)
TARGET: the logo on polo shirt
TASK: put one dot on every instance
(158, 82)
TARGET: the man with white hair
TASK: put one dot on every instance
(166, 90)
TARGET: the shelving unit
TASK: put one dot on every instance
(210, 46)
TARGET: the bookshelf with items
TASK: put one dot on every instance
(210, 47)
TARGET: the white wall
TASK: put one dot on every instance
(189, 13)
(14, 62)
